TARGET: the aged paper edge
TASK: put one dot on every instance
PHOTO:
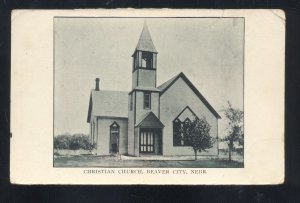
(31, 154)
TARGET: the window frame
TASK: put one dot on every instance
(147, 107)
(177, 126)
(182, 142)
(114, 128)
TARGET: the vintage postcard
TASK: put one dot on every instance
(156, 96)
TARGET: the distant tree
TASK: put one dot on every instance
(197, 135)
(61, 142)
(235, 128)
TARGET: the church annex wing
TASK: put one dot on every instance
(108, 104)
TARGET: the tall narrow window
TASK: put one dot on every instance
(147, 100)
(185, 125)
(176, 132)
(114, 138)
(133, 62)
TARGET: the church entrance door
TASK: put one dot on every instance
(114, 142)
(114, 138)
(150, 141)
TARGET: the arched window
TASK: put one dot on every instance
(180, 124)
(114, 137)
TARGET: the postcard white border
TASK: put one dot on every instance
(32, 101)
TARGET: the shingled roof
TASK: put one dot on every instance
(150, 121)
(108, 104)
(163, 88)
(145, 42)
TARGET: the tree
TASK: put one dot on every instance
(235, 128)
(197, 135)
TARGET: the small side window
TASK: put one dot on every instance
(147, 100)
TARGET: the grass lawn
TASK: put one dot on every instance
(110, 161)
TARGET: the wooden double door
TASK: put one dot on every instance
(150, 141)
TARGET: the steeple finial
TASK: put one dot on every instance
(145, 24)
(145, 42)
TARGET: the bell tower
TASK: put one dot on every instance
(144, 61)
(144, 97)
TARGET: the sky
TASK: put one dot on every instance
(209, 51)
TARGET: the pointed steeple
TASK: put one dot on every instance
(145, 42)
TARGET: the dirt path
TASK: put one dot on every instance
(97, 161)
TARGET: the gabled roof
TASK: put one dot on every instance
(163, 88)
(145, 42)
(150, 121)
(166, 84)
(108, 103)
(150, 89)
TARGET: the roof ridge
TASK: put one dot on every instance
(109, 91)
(147, 115)
(166, 84)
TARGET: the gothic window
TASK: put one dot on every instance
(147, 60)
(177, 132)
(186, 122)
(147, 100)
(114, 137)
(185, 125)
(178, 129)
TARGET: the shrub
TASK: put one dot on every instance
(73, 142)
(61, 142)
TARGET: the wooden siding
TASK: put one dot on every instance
(140, 111)
(150, 121)
(104, 135)
(131, 120)
(146, 77)
(172, 103)
(134, 79)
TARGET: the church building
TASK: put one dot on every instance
(146, 120)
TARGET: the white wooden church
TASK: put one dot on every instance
(146, 120)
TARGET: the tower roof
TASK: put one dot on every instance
(145, 42)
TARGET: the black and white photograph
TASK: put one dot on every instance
(129, 96)
(116, 100)
(143, 92)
